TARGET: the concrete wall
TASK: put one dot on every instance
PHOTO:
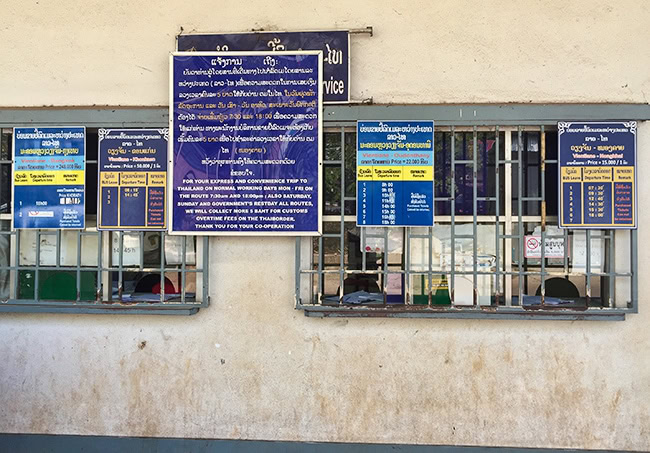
(252, 367)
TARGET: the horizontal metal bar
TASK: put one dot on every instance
(502, 114)
(457, 272)
(445, 114)
(102, 309)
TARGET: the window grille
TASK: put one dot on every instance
(495, 185)
(90, 271)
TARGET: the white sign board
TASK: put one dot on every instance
(533, 247)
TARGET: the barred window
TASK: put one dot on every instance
(95, 271)
(495, 188)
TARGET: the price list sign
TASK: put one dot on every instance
(246, 143)
(132, 179)
(597, 175)
(49, 177)
(395, 173)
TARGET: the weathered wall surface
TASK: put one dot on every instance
(252, 367)
(115, 52)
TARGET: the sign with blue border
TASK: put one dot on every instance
(246, 143)
(132, 179)
(395, 173)
(597, 175)
(334, 44)
(49, 175)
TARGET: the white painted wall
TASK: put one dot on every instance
(252, 367)
(99, 52)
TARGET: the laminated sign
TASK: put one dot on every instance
(597, 175)
(246, 143)
(132, 179)
(395, 173)
(49, 176)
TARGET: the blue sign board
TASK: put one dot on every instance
(49, 177)
(597, 175)
(246, 141)
(132, 179)
(395, 173)
(334, 44)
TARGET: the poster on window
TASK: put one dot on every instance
(246, 143)
(395, 173)
(49, 175)
(132, 179)
(597, 174)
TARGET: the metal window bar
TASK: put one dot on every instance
(502, 221)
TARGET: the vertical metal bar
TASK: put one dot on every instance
(588, 265)
(297, 269)
(342, 227)
(520, 208)
(120, 282)
(58, 248)
(17, 261)
(507, 227)
(566, 252)
(634, 258)
(162, 266)
(363, 249)
(542, 140)
(206, 270)
(430, 275)
(385, 272)
(38, 264)
(452, 272)
(100, 270)
(183, 268)
(141, 241)
(320, 270)
(611, 269)
(497, 224)
(475, 214)
(407, 270)
(78, 265)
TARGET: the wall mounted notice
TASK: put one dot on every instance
(597, 175)
(334, 44)
(49, 177)
(132, 179)
(395, 173)
(246, 143)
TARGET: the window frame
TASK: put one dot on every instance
(104, 269)
(514, 119)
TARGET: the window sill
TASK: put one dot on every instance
(21, 306)
(537, 313)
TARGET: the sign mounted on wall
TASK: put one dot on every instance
(49, 177)
(132, 179)
(395, 173)
(246, 143)
(334, 44)
(597, 174)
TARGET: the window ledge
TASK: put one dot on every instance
(592, 314)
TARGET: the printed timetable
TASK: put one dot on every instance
(597, 175)
(132, 179)
(395, 173)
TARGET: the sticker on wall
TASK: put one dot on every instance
(597, 175)
(49, 175)
(246, 143)
(395, 173)
(132, 184)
